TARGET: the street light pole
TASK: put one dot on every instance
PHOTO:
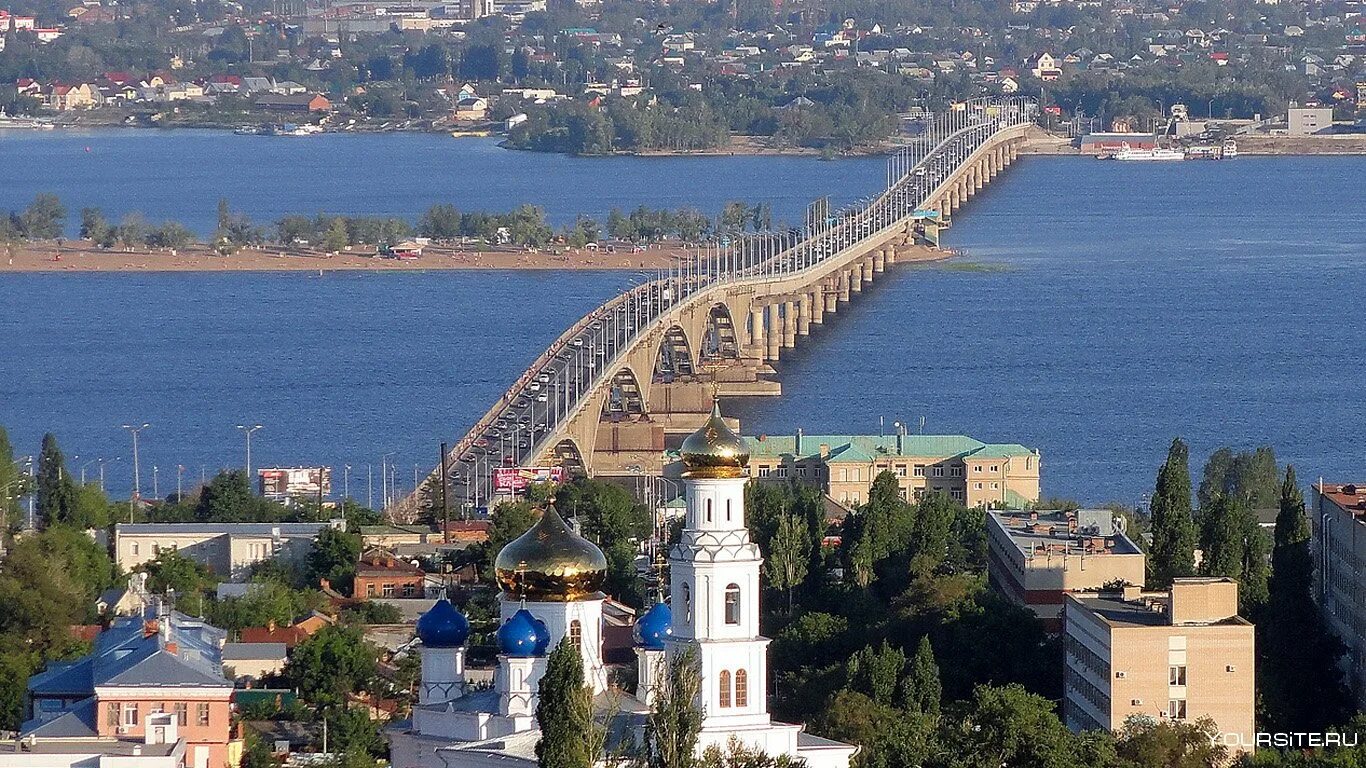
(247, 431)
(137, 475)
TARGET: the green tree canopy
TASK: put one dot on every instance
(1172, 553)
(564, 710)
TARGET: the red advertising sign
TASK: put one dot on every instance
(516, 479)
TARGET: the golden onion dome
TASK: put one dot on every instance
(550, 563)
(714, 450)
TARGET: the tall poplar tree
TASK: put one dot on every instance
(1172, 554)
(564, 711)
(56, 502)
(11, 483)
(1298, 665)
(672, 728)
(921, 690)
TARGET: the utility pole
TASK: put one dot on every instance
(247, 431)
(137, 475)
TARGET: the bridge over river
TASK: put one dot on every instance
(607, 394)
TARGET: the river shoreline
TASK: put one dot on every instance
(1040, 143)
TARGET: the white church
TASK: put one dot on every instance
(550, 579)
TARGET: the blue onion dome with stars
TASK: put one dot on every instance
(523, 636)
(443, 626)
(655, 627)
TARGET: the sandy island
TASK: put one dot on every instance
(82, 256)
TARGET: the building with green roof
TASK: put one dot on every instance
(969, 470)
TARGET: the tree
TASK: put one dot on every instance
(564, 711)
(1172, 744)
(12, 483)
(1298, 657)
(1009, 726)
(921, 690)
(876, 672)
(789, 553)
(336, 237)
(739, 755)
(1234, 545)
(1172, 553)
(93, 224)
(56, 493)
(440, 222)
(672, 728)
(44, 218)
(228, 499)
(333, 558)
(332, 663)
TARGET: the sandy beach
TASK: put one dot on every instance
(79, 256)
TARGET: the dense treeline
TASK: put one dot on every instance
(45, 219)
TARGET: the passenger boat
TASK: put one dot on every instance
(1157, 153)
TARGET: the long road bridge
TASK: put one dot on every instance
(647, 363)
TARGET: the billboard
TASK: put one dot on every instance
(516, 479)
(289, 482)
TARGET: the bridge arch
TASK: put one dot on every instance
(720, 338)
(675, 356)
(568, 455)
(625, 396)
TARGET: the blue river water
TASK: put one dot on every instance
(1101, 309)
(182, 174)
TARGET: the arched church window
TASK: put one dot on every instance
(741, 688)
(732, 603)
(576, 634)
(725, 689)
(687, 603)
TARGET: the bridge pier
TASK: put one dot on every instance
(775, 331)
(804, 315)
(879, 260)
(756, 332)
(832, 300)
(817, 300)
(868, 270)
(856, 278)
(789, 324)
(890, 257)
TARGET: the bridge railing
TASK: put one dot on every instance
(913, 175)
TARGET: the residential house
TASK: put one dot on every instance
(298, 102)
(379, 573)
(152, 690)
(302, 629)
(254, 661)
(1045, 67)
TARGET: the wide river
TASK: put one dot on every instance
(1102, 309)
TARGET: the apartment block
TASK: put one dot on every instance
(844, 466)
(1037, 557)
(1183, 654)
(229, 549)
(1337, 519)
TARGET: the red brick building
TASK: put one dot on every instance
(380, 573)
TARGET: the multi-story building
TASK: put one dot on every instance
(152, 694)
(1337, 519)
(1185, 654)
(229, 549)
(971, 471)
(1037, 557)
